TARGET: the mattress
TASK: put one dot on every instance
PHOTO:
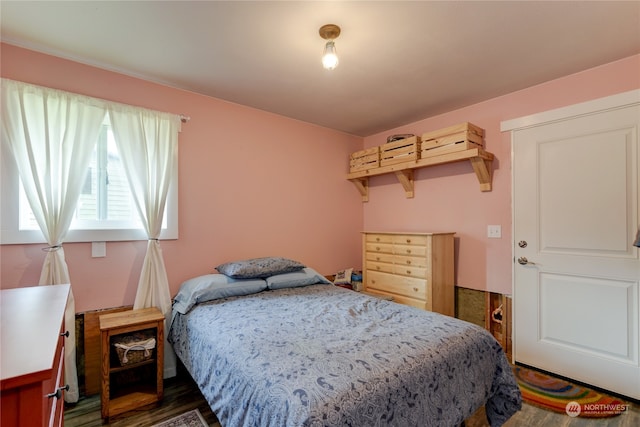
(322, 355)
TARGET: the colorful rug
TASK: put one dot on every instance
(544, 391)
(192, 418)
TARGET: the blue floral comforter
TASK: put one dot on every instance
(321, 355)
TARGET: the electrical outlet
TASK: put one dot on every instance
(494, 231)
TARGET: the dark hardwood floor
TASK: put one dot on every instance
(181, 395)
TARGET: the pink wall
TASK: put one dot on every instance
(254, 183)
(251, 183)
(447, 197)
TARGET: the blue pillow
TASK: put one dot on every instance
(306, 276)
(259, 267)
(213, 286)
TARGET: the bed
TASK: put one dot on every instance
(289, 352)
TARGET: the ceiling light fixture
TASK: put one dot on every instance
(330, 32)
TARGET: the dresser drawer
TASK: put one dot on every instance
(402, 285)
(380, 257)
(379, 238)
(380, 248)
(55, 404)
(409, 250)
(380, 266)
(410, 261)
(410, 271)
(409, 239)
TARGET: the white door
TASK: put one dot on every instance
(576, 271)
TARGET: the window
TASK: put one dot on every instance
(106, 198)
(105, 211)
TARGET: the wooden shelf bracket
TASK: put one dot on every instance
(484, 171)
(406, 179)
(362, 184)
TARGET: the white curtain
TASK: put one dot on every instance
(51, 135)
(148, 145)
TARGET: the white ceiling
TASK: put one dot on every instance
(399, 61)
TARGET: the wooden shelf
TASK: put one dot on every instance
(115, 369)
(141, 395)
(481, 161)
(115, 398)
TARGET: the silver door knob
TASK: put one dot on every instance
(524, 261)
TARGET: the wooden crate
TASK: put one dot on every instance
(463, 136)
(403, 150)
(365, 159)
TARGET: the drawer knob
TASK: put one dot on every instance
(373, 281)
(377, 239)
(377, 267)
(415, 289)
(65, 334)
(408, 271)
(408, 240)
(408, 251)
(377, 258)
(409, 261)
(377, 248)
(58, 393)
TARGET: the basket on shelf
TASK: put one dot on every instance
(134, 348)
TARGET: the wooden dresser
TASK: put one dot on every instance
(416, 269)
(32, 355)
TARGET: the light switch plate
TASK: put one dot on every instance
(98, 249)
(494, 231)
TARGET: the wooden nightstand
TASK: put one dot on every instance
(129, 386)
